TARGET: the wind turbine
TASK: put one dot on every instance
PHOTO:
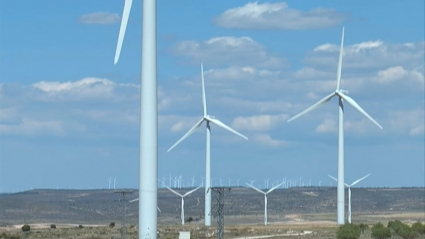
(148, 151)
(182, 196)
(349, 193)
(265, 197)
(342, 95)
(208, 119)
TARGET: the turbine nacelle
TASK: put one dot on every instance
(345, 92)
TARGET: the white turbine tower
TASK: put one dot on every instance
(349, 193)
(148, 151)
(208, 120)
(265, 197)
(182, 196)
(341, 96)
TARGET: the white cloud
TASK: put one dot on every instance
(239, 73)
(99, 18)
(278, 15)
(90, 87)
(258, 122)
(398, 73)
(34, 127)
(409, 122)
(419, 130)
(227, 50)
(179, 123)
(256, 105)
(369, 54)
(313, 74)
(265, 139)
(328, 125)
(8, 114)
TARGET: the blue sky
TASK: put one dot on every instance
(69, 116)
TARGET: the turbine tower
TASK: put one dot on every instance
(208, 120)
(342, 95)
(349, 193)
(148, 151)
(265, 197)
(182, 196)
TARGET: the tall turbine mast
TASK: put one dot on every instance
(148, 151)
(342, 95)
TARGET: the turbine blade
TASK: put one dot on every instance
(178, 194)
(273, 188)
(204, 98)
(256, 189)
(222, 125)
(333, 178)
(319, 103)
(124, 20)
(191, 130)
(137, 199)
(191, 191)
(159, 210)
(357, 107)
(338, 78)
(358, 180)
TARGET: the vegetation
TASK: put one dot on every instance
(380, 232)
(112, 225)
(80, 226)
(5, 235)
(189, 220)
(403, 230)
(419, 228)
(363, 227)
(53, 226)
(26, 228)
(348, 231)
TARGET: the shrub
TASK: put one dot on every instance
(348, 231)
(380, 232)
(112, 225)
(52, 226)
(363, 227)
(9, 236)
(419, 227)
(26, 228)
(407, 233)
(396, 225)
(80, 226)
(189, 220)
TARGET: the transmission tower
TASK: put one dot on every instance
(123, 204)
(220, 191)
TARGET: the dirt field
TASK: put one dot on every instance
(237, 227)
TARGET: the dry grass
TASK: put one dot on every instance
(293, 226)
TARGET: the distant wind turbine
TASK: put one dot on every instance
(265, 197)
(349, 193)
(208, 119)
(342, 95)
(182, 196)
